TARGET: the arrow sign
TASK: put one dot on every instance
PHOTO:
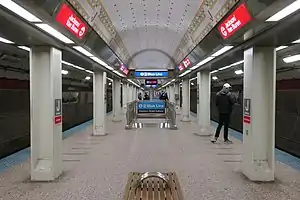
(247, 107)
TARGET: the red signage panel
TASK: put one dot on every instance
(247, 119)
(181, 67)
(73, 23)
(124, 69)
(58, 119)
(239, 18)
(186, 62)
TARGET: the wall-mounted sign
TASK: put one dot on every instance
(71, 21)
(148, 74)
(151, 82)
(57, 120)
(247, 111)
(124, 69)
(151, 107)
(186, 62)
(239, 18)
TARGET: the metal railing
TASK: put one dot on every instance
(171, 114)
(131, 114)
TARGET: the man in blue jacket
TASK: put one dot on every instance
(224, 102)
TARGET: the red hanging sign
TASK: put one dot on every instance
(124, 69)
(186, 62)
(181, 67)
(73, 23)
(239, 18)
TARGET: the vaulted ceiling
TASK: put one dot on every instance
(152, 33)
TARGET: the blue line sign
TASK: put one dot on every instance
(151, 107)
(147, 74)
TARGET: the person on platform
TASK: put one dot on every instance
(146, 96)
(140, 97)
(224, 102)
(164, 96)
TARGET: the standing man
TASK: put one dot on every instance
(224, 102)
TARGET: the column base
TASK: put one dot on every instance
(185, 118)
(258, 171)
(45, 171)
(116, 119)
(99, 131)
(204, 131)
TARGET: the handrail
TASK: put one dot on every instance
(171, 114)
(131, 113)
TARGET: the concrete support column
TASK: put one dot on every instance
(45, 113)
(259, 113)
(130, 93)
(177, 101)
(172, 93)
(125, 96)
(99, 103)
(186, 101)
(203, 102)
(117, 101)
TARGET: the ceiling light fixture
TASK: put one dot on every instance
(238, 72)
(118, 73)
(88, 78)
(221, 51)
(64, 72)
(6, 41)
(231, 65)
(212, 72)
(291, 59)
(24, 48)
(15, 8)
(293, 7)
(54, 33)
(281, 47)
(96, 59)
(202, 62)
(89, 71)
(215, 78)
(83, 51)
(185, 73)
(296, 41)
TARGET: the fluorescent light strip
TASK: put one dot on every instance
(15, 8)
(83, 51)
(24, 48)
(296, 41)
(54, 33)
(89, 71)
(221, 51)
(5, 40)
(193, 79)
(215, 78)
(118, 73)
(88, 78)
(281, 47)
(232, 65)
(185, 73)
(291, 59)
(285, 12)
(238, 72)
(202, 62)
(111, 80)
(212, 72)
(96, 59)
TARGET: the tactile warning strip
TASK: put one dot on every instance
(153, 188)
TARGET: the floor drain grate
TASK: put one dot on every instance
(153, 188)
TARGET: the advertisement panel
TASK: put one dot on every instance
(71, 21)
(235, 21)
(151, 107)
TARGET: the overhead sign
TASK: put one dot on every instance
(186, 62)
(247, 111)
(151, 82)
(71, 21)
(151, 107)
(239, 18)
(140, 74)
(124, 69)
(181, 67)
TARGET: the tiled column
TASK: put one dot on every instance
(259, 113)
(186, 101)
(45, 113)
(117, 101)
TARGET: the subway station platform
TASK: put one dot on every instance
(98, 167)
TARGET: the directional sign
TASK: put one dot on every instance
(247, 111)
(57, 107)
(159, 74)
(151, 107)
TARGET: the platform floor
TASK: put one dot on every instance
(98, 167)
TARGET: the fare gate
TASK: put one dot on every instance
(153, 186)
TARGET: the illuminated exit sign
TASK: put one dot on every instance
(71, 21)
(235, 21)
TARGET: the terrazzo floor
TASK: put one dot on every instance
(97, 167)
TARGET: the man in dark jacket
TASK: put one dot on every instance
(224, 102)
